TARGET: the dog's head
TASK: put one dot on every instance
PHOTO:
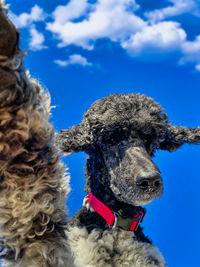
(121, 133)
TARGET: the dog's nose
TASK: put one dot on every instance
(152, 183)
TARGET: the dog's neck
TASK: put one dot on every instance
(106, 196)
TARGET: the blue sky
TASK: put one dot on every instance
(84, 50)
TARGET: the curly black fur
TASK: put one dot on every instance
(120, 133)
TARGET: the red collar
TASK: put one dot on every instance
(114, 219)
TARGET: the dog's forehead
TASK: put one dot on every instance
(122, 108)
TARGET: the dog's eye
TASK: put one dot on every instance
(113, 136)
(148, 145)
(151, 147)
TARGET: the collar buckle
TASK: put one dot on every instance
(129, 224)
(123, 223)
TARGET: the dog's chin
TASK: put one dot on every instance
(135, 197)
(138, 200)
(138, 203)
(133, 201)
(146, 199)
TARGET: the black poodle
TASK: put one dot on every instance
(120, 134)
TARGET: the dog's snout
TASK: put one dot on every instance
(152, 183)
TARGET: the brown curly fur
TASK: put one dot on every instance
(33, 185)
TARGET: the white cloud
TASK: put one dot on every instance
(165, 36)
(179, 7)
(74, 60)
(113, 19)
(74, 9)
(191, 52)
(37, 39)
(26, 19)
(197, 67)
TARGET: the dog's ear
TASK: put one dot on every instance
(178, 136)
(77, 138)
